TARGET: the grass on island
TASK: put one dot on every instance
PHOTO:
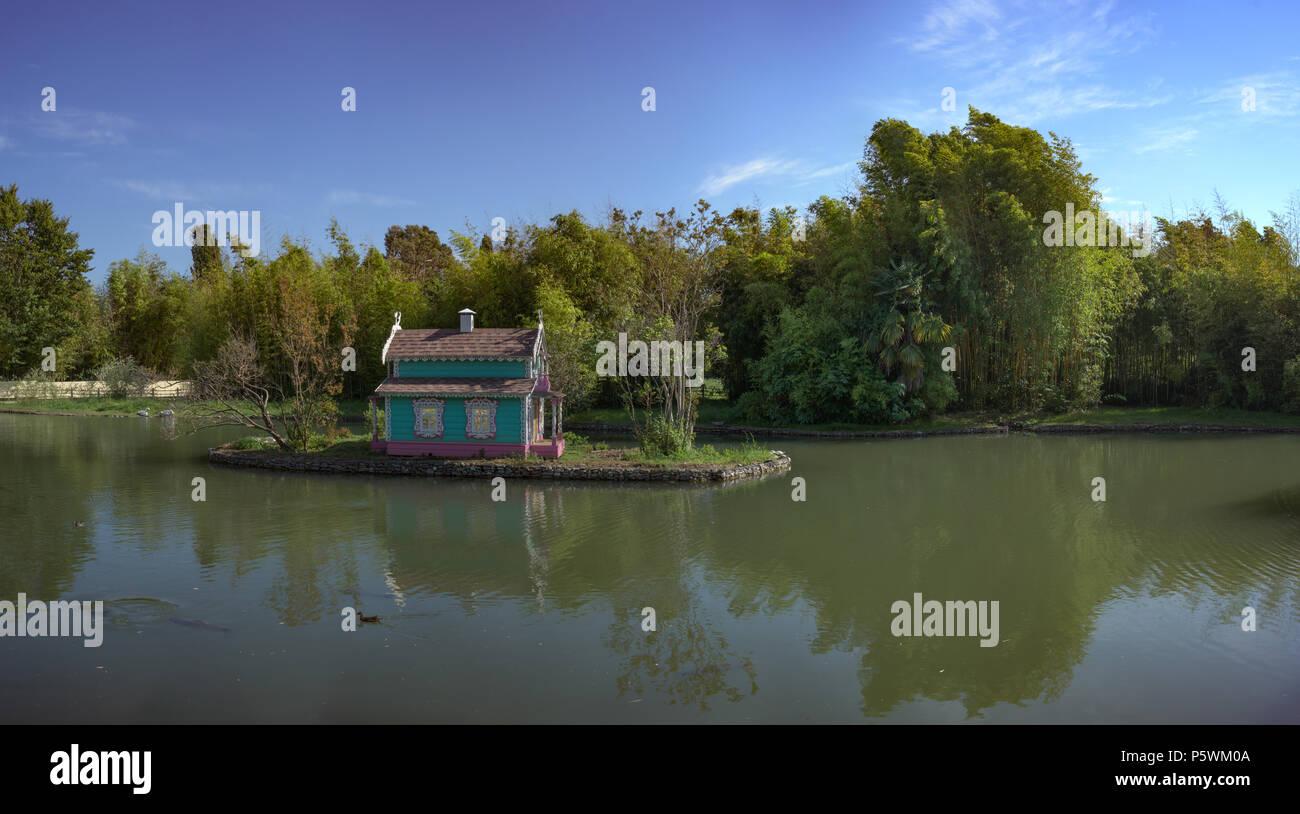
(585, 451)
(577, 450)
(343, 443)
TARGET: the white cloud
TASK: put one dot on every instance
(167, 190)
(1276, 95)
(829, 171)
(730, 176)
(948, 24)
(1031, 62)
(347, 197)
(797, 172)
(1167, 139)
(222, 195)
(83, 126)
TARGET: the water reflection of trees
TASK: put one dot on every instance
(992, 518)
(54, 472)
(685, 660)
(955, 519)
(966, 519)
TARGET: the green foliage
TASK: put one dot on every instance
(571, 343)
(417, 252)
(205, 253)
(813, 374)
(124, 377)
(42, 276)
(148, 310)
(839, 313)
(1291, 385)
(658, 435)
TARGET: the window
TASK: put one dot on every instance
(428, 417)
(481, 418)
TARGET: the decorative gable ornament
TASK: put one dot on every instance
(397, 326)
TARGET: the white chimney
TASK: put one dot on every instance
(466, 321)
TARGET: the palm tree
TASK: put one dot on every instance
(907, 326)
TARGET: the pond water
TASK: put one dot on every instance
(766, 609)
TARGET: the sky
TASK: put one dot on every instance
(469, 112)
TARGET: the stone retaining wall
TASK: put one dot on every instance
(694, 473)
(1002, 429)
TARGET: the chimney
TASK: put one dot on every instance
(466, 321)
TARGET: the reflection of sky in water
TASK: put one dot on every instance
(767, 610)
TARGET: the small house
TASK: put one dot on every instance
(468, 392)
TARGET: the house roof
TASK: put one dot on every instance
(455, 386)
(450, 343)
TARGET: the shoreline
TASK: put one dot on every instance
(479, 468)
(1131, 428)
(1000, 429)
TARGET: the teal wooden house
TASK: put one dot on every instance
(468, 392)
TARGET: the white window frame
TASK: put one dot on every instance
(425, 407)
(491, 406)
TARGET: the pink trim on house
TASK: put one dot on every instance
(550, 448)
(455, 449)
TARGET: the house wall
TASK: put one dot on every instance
(453, 368)
(509, 426)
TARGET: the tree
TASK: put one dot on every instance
(417, 252)
(315, 373)
(148, 310)
(235, 380)
(571, 343)
(967, 207)
(907, 327)
(205, 252)
(677, 284)
(42, 272)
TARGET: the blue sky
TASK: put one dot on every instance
(466, 112)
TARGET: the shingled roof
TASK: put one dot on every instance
(455, 386)
(450, 343)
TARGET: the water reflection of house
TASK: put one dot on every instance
(468, 545)
(468, 392)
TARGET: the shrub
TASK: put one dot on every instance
(37, 384)
(123, 377)
(661, 437)
(252, 442)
